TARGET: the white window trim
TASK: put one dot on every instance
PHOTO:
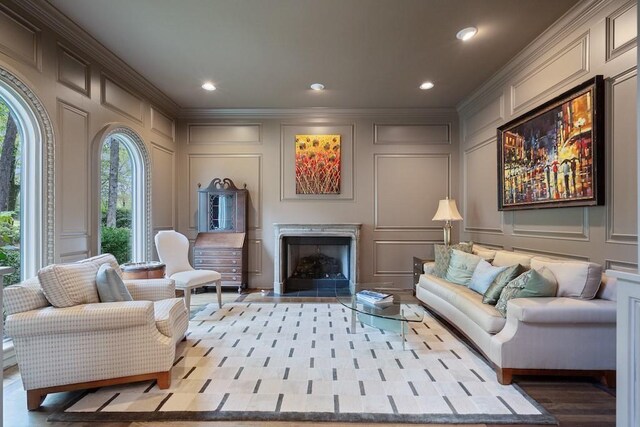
(141, 188)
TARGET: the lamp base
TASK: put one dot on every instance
(447, 233)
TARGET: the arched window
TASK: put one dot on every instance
(33, 166)
(125, 194)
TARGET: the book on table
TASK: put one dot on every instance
(373, 297)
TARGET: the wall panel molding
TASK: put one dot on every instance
(478, 228)
(73, 71)
(255, 256)
(20, 39)
(550, 254)
(162, 124)
(224, 133)
(563, 67)
(582, 235)
(412, 134)
(386, 193)
(621, 141)
(621, 30)
(171, 206)
(256, 218)
(488, 116)
(74, 189)
(400, 246)
(611, 264)
(116, 98)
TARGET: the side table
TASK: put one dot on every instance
(418, 269)
(143, 270)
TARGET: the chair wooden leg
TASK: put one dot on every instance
(164, 380)
(34, 399)
(187, 299)
(219, 292)
(505, 376)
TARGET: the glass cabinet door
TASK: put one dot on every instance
(221, 212)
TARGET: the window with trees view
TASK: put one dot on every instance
(116, 189)
(10, 163)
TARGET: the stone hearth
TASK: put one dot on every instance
(281, 231)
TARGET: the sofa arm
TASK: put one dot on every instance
(428, 267)
(80, 318)
(151, 289)
(561, 310)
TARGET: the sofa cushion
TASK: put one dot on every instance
(169, 314)
(461, 267)
(467, 301)
(608, 288)
(24, 296)
(110, 286)
(103, 259)
(529, 284)
(66, 285)
(508, 258)
(492, 294)
(483, 276)
(576, 279)
(443, 255)
(484, 253)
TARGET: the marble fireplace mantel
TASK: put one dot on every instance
(351, 230)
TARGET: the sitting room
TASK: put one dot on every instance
(319, 212)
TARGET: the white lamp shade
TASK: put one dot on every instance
(447, 211)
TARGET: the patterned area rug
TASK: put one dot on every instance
(299, 362)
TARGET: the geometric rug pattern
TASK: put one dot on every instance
(299, 361)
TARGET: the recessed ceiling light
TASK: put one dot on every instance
(317, 86)
(426, 85)
(467, 33)
(208, 86)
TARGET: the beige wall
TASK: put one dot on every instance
(395, 169)
(81, 97)
(598, 38)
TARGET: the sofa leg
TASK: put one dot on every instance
(608, 379)
(164, 380)
(34, 399)
(505, 376)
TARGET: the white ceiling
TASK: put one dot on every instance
(266, 53)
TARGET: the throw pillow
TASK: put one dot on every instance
(66, 285)
(492, 294)
(461, 267)
(443, 255)
(483, 276)
(98, 260)
(576, 279)
(111, 288)
(527, 285)
(484, 253)
(506, 258)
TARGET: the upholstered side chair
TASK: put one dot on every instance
(173, 250)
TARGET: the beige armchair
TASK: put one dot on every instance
(97, 344)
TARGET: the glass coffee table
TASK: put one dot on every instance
(393, 317)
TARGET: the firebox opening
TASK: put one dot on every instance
(317, 263)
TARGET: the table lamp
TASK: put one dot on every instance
(447, 211)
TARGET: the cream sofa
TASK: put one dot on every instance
(543, 336)
(96, 344)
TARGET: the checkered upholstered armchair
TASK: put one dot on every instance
(93, 344)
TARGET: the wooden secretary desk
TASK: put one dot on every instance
(221, 244)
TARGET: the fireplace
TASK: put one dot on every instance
(309, 256)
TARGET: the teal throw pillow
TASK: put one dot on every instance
(529, 284)
(461, 267)
(443, 255)
(492, 294)
(111, 288)
(483, 276)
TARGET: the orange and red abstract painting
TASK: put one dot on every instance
(317, 164)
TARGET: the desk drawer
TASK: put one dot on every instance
(218, 262)
(217, 253)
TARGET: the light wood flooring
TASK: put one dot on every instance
(574, 402)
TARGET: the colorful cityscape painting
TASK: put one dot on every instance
(551, 156)
(317, 164)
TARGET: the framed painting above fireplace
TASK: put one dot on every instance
(553, 156)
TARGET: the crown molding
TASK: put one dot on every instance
(314, 112)
(573, 19)
(65, 27)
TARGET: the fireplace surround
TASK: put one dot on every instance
(281, 260)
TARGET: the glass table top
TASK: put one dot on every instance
(397, 310)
